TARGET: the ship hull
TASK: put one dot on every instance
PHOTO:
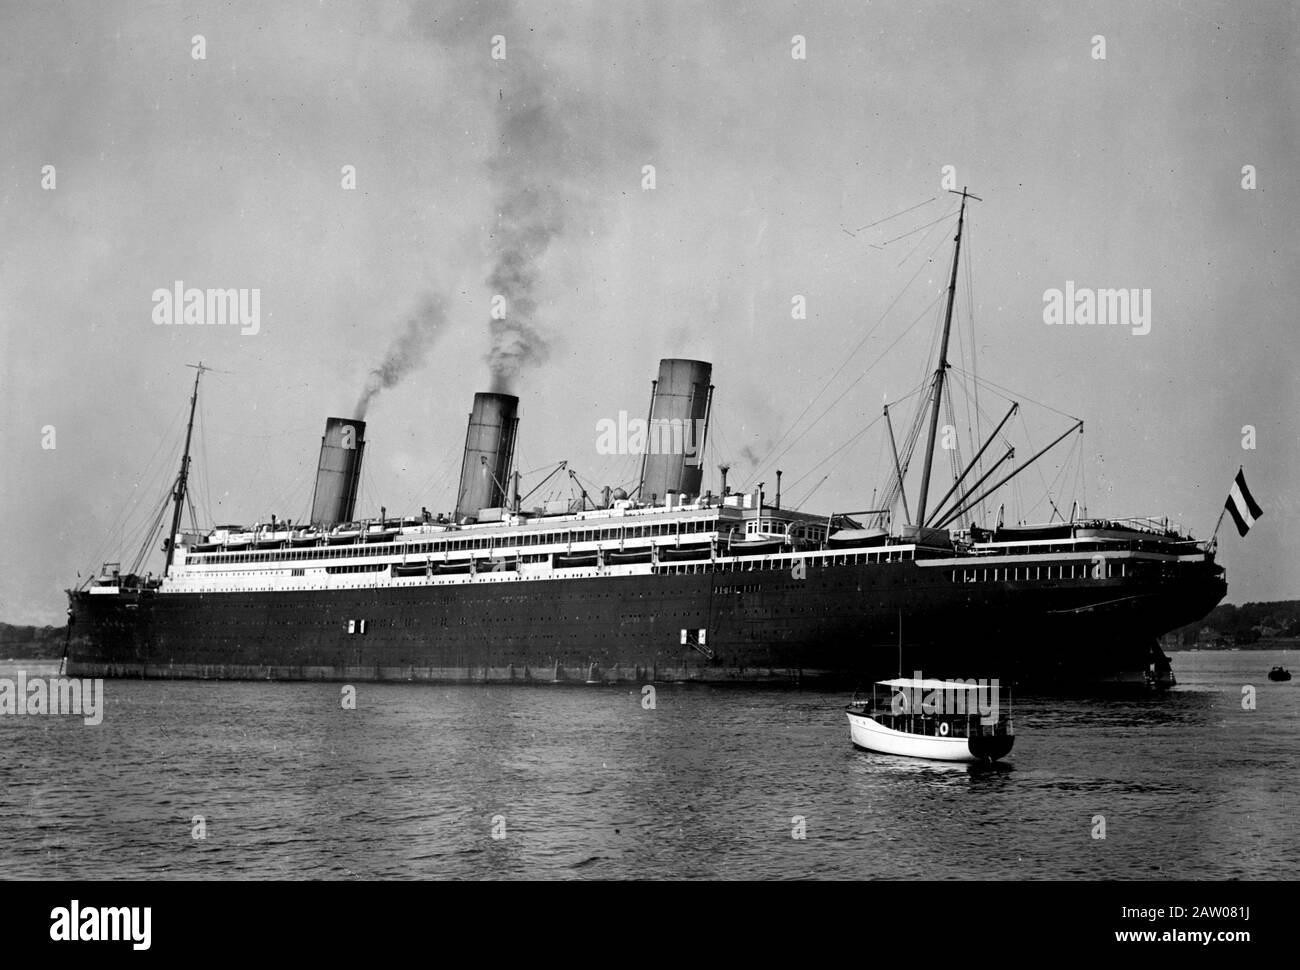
(837, 624)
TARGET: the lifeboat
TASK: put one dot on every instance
(759, 545)
(575, 560)
(411, 569)
(625, 557)
(700, 550)
(857, 538)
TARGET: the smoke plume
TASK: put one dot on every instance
(543, 145)
(526, 168)
(751, 455)
(529, 218)
(407, 351)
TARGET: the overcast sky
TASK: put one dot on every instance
(228, 171)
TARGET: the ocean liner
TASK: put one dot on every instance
(658, 583)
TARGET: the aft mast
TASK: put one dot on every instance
(178, 494)
(941, 370)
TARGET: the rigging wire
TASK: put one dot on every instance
(837, 450)
(151, 535)
(928, 225)
(974, 345)
(852, 385)
(763, 465)
(902, 212)
(140, 518)
(990, 385)
(116, 531)
(205, 465)
(923, 240)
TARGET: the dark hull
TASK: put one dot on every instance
(991, 747)
(837, 623)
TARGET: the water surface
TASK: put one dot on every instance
(583, 782)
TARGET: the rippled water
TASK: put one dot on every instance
(589, 784)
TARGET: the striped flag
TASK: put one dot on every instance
(1241, 504)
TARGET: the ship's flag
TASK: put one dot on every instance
(1241, 504)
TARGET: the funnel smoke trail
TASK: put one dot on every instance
(531, 157)
(407, 351)
(536, 166)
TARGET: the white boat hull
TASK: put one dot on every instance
(873, 736)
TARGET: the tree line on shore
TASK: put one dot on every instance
(1252, 624)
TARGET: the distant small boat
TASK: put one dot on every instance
(899, 725)
(1279, 673)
